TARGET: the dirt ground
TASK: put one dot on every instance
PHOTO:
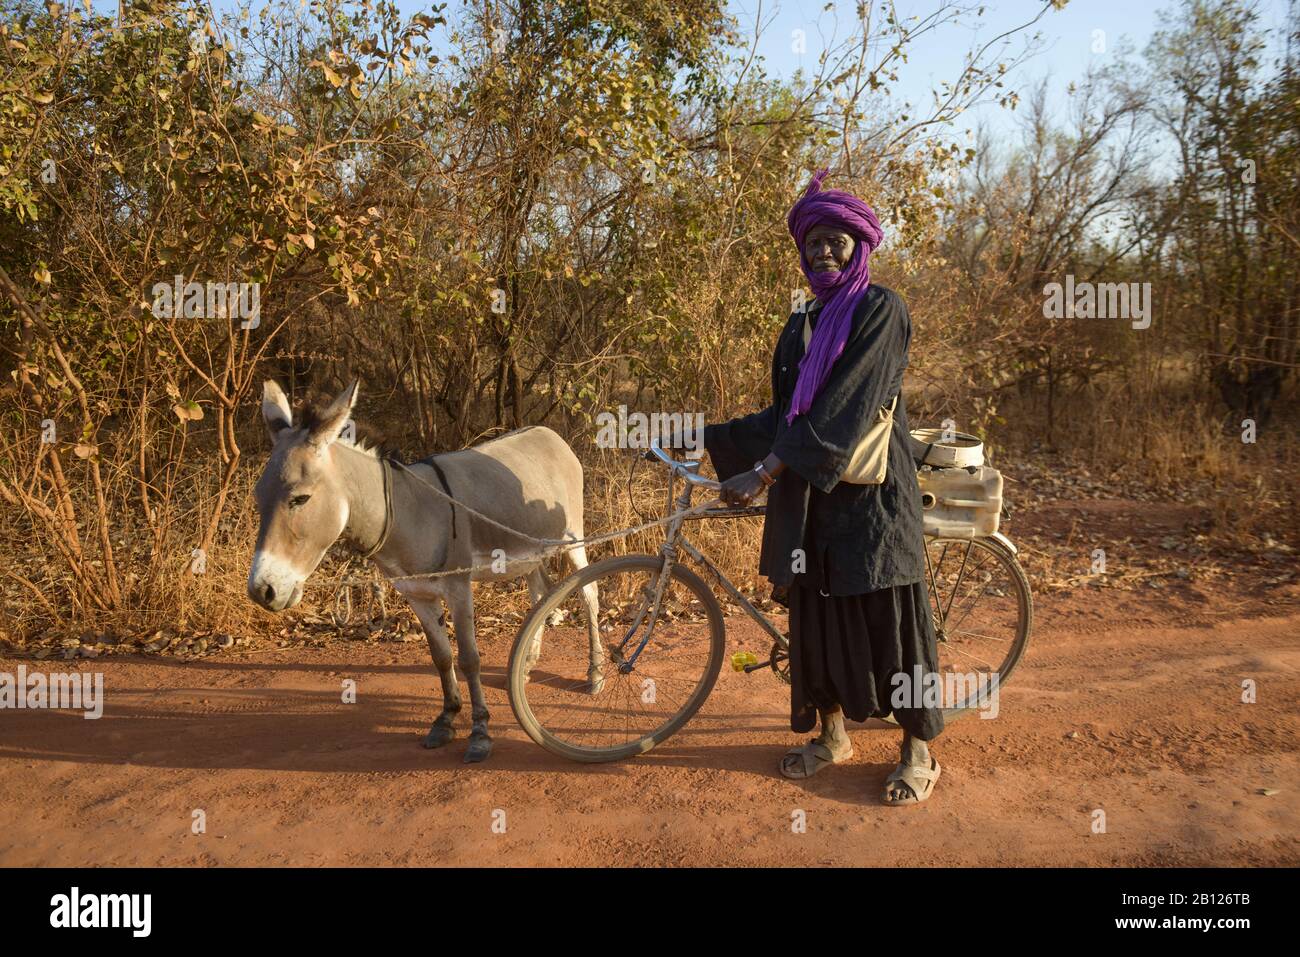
(1128, 702)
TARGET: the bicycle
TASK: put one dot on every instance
(664, 635)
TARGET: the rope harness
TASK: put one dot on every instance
(547, 546)
(386, 468)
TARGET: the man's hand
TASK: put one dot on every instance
(742, 489)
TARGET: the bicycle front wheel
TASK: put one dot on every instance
(616, 658)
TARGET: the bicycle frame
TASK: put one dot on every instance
(640, 588)
(688, 473)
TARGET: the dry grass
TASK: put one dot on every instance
(1159, 433)
(1155, 436)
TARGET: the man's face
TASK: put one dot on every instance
(827, 248)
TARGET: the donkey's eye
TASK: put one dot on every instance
(298, 500)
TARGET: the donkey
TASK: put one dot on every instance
(318, 487)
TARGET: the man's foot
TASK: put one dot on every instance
(911, 783)
(805, 761)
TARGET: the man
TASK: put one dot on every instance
(850, 557)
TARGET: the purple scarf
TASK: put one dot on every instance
(839, 292)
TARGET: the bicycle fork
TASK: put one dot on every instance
(651, 602)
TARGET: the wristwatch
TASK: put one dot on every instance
(764, 474)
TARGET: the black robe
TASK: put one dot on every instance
(858, 538)
(859, 610)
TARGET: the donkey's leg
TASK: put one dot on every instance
(429, 611)
(595, 650)
(538, 587)
(462, 615)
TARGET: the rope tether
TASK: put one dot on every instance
(548, 545)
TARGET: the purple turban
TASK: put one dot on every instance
(839, 291)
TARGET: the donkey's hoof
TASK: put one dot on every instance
(595, 683)
(480, 746)
(439, 735)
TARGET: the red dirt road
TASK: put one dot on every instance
(1119, 706)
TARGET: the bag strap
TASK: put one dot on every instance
(807, 336)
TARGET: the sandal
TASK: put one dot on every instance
(812, 756)
(920, 780)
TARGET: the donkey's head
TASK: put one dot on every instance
(301, 497)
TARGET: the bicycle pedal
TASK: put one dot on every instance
(742, 658)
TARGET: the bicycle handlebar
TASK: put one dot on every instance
(687, 470)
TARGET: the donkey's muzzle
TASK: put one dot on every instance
(264, 594)
(272, 599)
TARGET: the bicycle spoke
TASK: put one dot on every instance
(975, 658)
(978, 603)
(972, 634)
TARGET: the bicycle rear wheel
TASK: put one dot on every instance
(982, 611)
(654, 665)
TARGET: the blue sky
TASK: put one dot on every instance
(1069, 36)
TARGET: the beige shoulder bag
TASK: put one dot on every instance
(870, 459)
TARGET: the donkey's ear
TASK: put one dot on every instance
(275, 408)
(334, 418)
